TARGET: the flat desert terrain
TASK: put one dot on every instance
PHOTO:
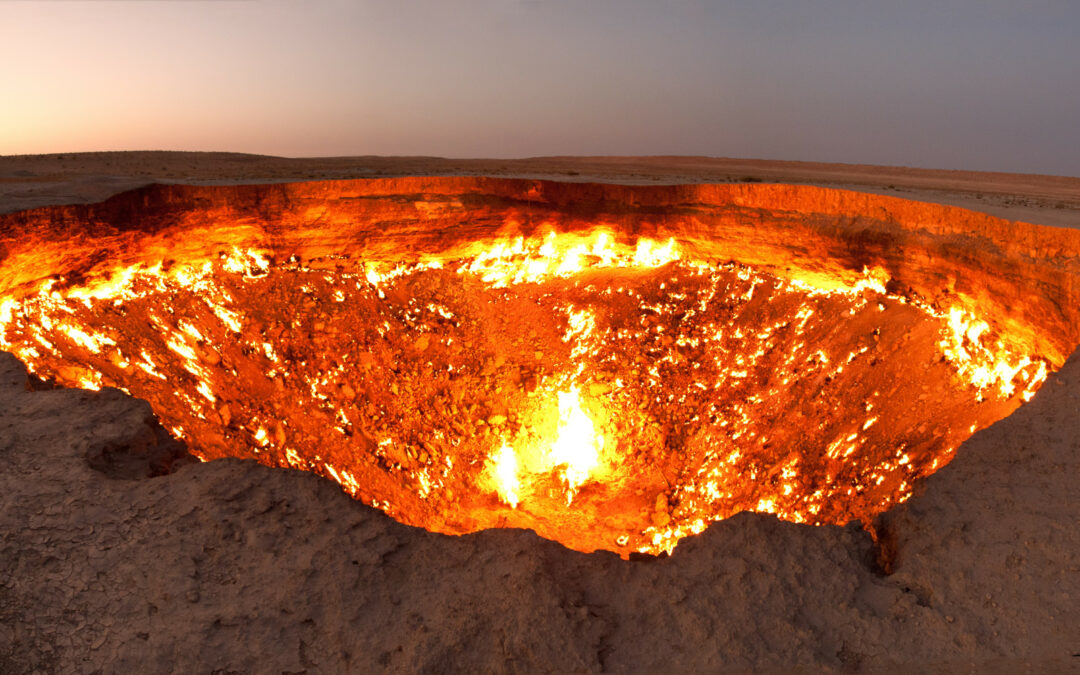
(27, 181)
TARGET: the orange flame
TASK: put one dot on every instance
(503, 470)
(569, 448)
(578, 446)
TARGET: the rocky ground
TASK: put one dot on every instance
(118, 553)
(229, 566)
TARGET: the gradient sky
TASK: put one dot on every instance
(966, 84)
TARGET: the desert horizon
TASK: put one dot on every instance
(32, 180)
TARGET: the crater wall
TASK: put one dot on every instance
(1017, 276)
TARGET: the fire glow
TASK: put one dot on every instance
(534, 456)
(607, 390)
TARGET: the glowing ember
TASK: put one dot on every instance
(607, 391)
(577, 448)
(504, 471)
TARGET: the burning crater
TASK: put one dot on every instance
(613, 367)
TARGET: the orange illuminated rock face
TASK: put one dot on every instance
(611, 366)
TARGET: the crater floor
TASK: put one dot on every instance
(604, 403)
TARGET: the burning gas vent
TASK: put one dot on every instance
(605, 388)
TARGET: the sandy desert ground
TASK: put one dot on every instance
(230, 566)
(27, 181)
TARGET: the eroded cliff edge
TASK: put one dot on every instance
(944, 254)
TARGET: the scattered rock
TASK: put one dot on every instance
(660, 518)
